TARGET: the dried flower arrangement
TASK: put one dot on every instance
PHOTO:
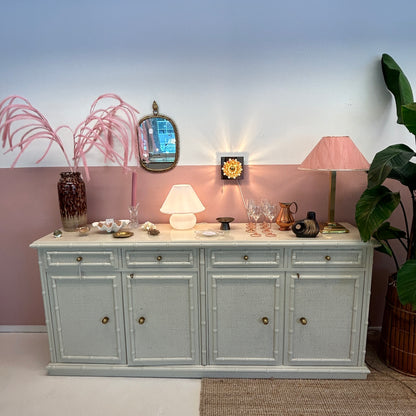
(22, 125)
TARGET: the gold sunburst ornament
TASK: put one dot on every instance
(232, 168)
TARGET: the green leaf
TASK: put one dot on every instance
(406, 174)
(373, 208)
(384, 248)
(392, 158)
(398, 84)
(387, 232)
(406, 283)
(409, 117)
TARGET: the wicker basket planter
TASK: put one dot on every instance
(398, 335)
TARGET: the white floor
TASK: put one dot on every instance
(26, 390)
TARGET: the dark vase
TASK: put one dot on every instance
(72, 201)
(308, 227)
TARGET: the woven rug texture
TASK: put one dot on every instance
(384, 393)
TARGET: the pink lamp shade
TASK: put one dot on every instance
(182, 202)
(332, 154)
(335, 153)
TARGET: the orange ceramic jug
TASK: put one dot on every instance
(285, 217)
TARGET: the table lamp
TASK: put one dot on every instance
(182, 203)
(332, 154)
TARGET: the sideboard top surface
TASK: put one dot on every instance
(237, 236)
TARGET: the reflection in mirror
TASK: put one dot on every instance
(158, 142)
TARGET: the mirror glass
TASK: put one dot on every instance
(158, 142)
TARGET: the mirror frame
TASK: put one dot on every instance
(175, 130)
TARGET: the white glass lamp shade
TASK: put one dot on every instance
(182, 203)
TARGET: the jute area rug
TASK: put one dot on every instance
(384, 393)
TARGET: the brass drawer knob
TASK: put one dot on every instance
(141, 320)
(79, 258)
(245, 257)
(105, 320)
(265, 320)
(131, 275)
(303, 320)
(327, 258)
(159, 258)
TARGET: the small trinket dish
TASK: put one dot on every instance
(225, 222)
(83, 230)
(123, 234)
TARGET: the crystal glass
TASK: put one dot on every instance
(133, 215)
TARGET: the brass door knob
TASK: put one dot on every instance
(245, 257)
(141, 320)
(303, 320)
(79, 259)
(265, 320)
(159, 258)
(327, 258)
(105, 320)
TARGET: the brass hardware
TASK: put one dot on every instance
(79, 259)
(327, 258)
(141, 320)
(298, 275)
(265, 320)
(245, 257)
(131, 275)
(159, 258)
(105, 320)
(303, 320)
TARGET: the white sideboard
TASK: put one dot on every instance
(183, 305)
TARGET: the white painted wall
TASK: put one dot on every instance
(265, 77)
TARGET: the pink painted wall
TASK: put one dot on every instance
(29, 210)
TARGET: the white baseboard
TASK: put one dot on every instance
(22, 328)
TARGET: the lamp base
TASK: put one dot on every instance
(332, 228)
(182, 221)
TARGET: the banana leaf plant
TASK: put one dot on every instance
(377, 203)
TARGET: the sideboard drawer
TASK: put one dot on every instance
(107, 259)
(160, 258)
(330, 257)
(244, 257)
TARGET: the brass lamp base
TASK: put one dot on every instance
(332, 228)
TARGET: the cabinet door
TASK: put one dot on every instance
(323, 318)
(162, 318)
(245, 318)
(87, 315)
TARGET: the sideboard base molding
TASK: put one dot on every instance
(280, 372)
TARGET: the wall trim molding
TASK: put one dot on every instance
(23, 328)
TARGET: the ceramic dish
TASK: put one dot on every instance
(208, 233)
(110, 225)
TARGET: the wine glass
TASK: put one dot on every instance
(269, 211)
(256, 214)
(250, 209)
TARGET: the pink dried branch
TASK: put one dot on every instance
(24, 120)
(102, 129)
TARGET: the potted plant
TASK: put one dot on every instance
(107, 128)
(373, 211)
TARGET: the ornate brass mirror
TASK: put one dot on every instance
(158, 142)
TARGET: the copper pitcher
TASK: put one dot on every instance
(285, 217)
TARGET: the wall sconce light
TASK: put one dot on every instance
(182, 203)
(232, 167)
(332, 154)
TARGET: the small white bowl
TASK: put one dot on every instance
(110, 225)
